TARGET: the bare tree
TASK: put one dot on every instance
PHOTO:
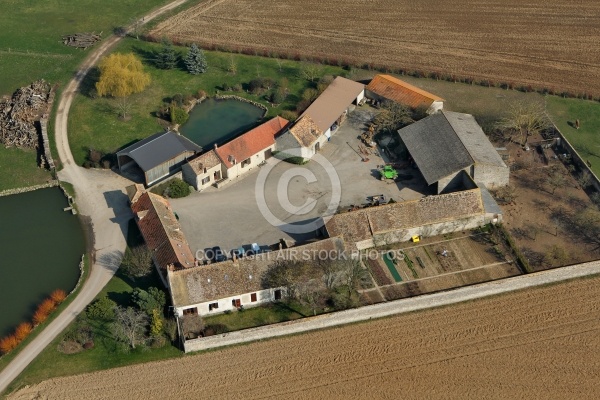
(285, 274)
(130, 326)
(137, 262)
(525, 119)
(555, 180)
(232, 68)
(123, 106)
(354, 273)
(310, 71)
(587, 225)
(279, 62)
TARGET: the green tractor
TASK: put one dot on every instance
(388, 172)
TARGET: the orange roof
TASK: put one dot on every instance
(401, 92)
(162, 232)
(251, 142)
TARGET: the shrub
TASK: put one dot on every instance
(237, 87)
(279, 95)
(102, 309)
(58, 296)
(178, 188)
(178, 99)
(23, 330)
(289, 115)
(170, 329)
(39, 317)
(178, 115)
(8, 343)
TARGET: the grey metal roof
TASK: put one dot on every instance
(435, 147)
(472, 136)
(156, 149)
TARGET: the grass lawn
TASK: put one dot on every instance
(586, 139)
(94, 123)
(19, 169)
(259, 316)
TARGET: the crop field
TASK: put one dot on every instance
(540, 343)
(550, 43)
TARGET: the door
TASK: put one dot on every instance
(268, 154)
(317, 147)
(236, 303)
(217, 176)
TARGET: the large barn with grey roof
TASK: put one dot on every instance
(158, 156)
(447, 145)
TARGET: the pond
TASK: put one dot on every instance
(41, 246)
(218, 121)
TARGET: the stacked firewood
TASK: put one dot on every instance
(19, 114)
(82, 40)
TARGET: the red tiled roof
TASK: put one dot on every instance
(401, 92)
(251, 142)
(162, 232)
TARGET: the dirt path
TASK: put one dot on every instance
(99, 196)
(540, 343)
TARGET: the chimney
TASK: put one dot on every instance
(216, 146)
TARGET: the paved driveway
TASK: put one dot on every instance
(230, 216)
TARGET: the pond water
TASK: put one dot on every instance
(40, 247)
(218, 121)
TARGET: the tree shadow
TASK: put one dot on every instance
(147, 56)
(87, 87)
(110, 260)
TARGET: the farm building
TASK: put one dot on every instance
(388, 88)
(321, 119)
(444, 144)
(161, 231)
(235, 158)
(398, 222)
(228, 285)
(157, 156)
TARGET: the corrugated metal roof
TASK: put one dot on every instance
(401, 92)
(328, 107)
(435, 147)
(159, 148)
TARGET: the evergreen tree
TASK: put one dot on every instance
(195, 61)
(166, 58)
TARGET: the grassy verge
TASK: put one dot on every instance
(19, 169)
(258, 316)
(586, 139)
(94, 122)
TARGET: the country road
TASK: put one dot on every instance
(100, 197)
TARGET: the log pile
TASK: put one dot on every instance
(18, 115)
(82, 40)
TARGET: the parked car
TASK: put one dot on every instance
(217, 255)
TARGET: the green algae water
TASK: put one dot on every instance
(40, 247)
(218, 121)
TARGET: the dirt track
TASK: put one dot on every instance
(542, 343)
(551, 43)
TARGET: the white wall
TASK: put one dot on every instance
(360, 97)
(492, 176)
(435, 107)
(189, 175)
(237, 170)
(225, 304)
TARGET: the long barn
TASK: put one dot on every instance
(157, 156)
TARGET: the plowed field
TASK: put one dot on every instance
(551, 43)
(542, 343)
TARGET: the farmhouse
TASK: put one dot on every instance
(161, 231)
(321, 119)
(444, 144)
(398, 222)
(386, 87)
(235, 158)
(228, 285)
(157, 156)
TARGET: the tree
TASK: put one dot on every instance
(324, 83)
(153, 299)
(121, 75)
(178, 188)
(166, 57)
(310, 94)
(129, 326)
(232, 67)
(58, 296)
(392, 117)
(23, 330)
(284, 273)
(310, 71)
(8, 343)
(587, 224)
(279, 95)
(123, 106)
(525, 119)
(555, 180)
(156, 324)
(353, 272)
(178, 115)
(137, 262)
(195, 60)
(102, 309)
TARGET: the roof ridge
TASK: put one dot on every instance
(457, 135)
(414, 88)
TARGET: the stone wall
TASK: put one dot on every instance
(238, 98)
(9, 192)
(577, 159)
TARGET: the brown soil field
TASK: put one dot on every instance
(541, 343)
(549, 43)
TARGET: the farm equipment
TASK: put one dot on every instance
(388, 172)
(367, 136)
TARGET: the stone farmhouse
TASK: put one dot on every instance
(228, 285)
(161, 231)
(398, 222)
(305, 137)
(388, 88)
(445, 144)
(157, 156)
(235, 158)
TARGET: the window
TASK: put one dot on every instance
(206, 180)
(190, 311)
(246, 162)
(213, 306)
(277, 294)
(253, 297)
(236, 303)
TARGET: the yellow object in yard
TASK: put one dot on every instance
(416, 239)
